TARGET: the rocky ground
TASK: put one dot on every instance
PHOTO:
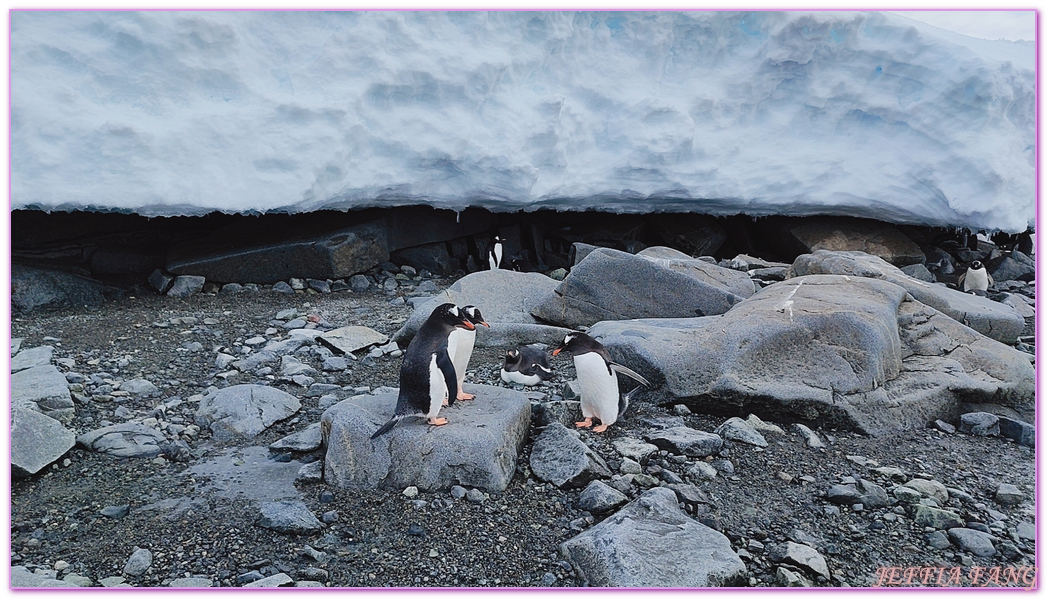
(198, 517)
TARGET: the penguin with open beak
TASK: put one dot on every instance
(598, 381)
(460, 345)
(427, 374)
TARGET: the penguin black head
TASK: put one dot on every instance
(512, 356)
(450, 315)
(977, 265)
(472, 314)
(577, 344)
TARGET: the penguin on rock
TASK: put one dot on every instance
(976, 279)
(427, 373)
(597, 381)
(527, 365)
(460, 346)
(494, 254)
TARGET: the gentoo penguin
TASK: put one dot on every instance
(975, 279)
(427, 372)
(597, 380)
(527, 365)
(460, 346)
(494, 255)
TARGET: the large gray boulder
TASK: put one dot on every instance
(44, 389)
(651, 542)
(733, 281)
(992, 319)
(613, 285)
(505, 298)
(243, 411)
(829, 350)
(36, 441)
(32, 357)
(559, 456)
(127, 440)
(840, 233)
(478, 447)
(33, 290)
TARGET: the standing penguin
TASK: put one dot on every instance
(460, 346)
(976, 278)
(494, 255)
(527, 365)
(427, 372)
(597, 380)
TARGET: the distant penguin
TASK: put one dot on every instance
(427, 372)
(494, 255)
(975, 279)
(527, 365)
(460, 346)
(597, 380)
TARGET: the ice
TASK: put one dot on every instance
(182, 113)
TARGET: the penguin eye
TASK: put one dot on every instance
(567, 339)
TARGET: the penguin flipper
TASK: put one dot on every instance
(989, 277)
(628, 372)
(388, 426)
(959, 281)
(446, 366)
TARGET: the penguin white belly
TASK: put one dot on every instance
(520, 378)
(598, 387)
(437, 388)
(976, 279)
(494, 257)
(464, 350)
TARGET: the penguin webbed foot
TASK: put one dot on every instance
(585, 423)
(462, 395)
(437, 421)
(600, 429)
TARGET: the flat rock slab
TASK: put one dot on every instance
(128, 440)
(800, 555)
(352, 338)
(728, 279)
(304, 440)
(651, 542)
(683, 440)
(478, 447)
(244, 411)
(292, 517)
(36, 441)
(28, 358)
(559, 456)
(21, 577)
(992, 319)
(613, 285)
(43, 388)
(504, 297)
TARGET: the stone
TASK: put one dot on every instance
(186, 285)
(289, 517)
(242, 412)
(475, 496)
(938, 540)
(868, 494)
(1014, 266)
(802, 556)
(30, 358)
(759, 425)
(359, 283)
(989, 318)
(564, 412)
(1018, 430)
(352, 338)
(730, 280)
(560, 457)
(36, 441)
(1007, 494)
(33, 290)
(291, 367)
(78, 580)
(651, 542)
(276, 580)
(844, 234)
(702, 471)
(127, 440)
(980, 424)
(973, 541)
(433, 257)
(334, 364)
(191, 582)
(614, 285)
(785, 577)
(478, 447)
(505, 298)
(44, 389)
(945, 427)
(138, 563)
(810, 437)
(878, 363)
(318, 285)
(929, 488)
(308, 439)
(936, 518)
(21, 577)
(633, 448)
(283, 288)
(140, 388)
(599, 498)
(310, 473)
(736, 429)
(683, 440)
(919, 272)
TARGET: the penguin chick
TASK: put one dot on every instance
(427, 373)
(527, 365)
(460, 346)
(976, 278)
(597, 381)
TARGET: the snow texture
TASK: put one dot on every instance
(188, 112)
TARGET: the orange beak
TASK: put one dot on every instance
(484, 322)
(468, 325)
(556, 351)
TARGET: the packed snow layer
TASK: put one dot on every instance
(183, 112)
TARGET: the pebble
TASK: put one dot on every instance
(475, 496)
(139, 562)
(1008, 494)
(458, 492)
(411, 492)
